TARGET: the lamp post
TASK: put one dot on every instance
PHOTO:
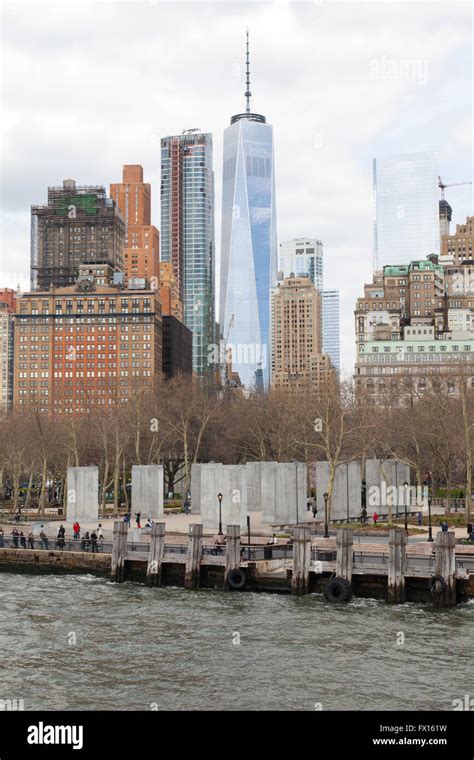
(406, 513)
(219, 496)
(326, 532)
(430, 529)
(296, 487)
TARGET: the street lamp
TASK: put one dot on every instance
(326, 532)
(430, 529)
(219, 496)
(296, 486)
(406, 513)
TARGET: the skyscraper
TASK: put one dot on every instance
(187, 233)
(406, 225)
(331, 337)
(302, 256)
(142, 248)
(249, 241)
(79, 225)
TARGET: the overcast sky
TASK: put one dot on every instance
(87, 87)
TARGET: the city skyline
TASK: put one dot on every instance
(323, 171)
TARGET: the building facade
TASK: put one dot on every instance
(249, 242)
(187, 234)
(78, 225)
(331, 328)
(177, 348)
(297, 358)
(171, 304)
(459, 246)
(87, 346)
(406, 205)
(7, 344)
(132, 197)
(302, 258)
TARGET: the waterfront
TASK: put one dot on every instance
(141, 648)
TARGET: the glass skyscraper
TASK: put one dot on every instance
(187, 233)
(331, 337)
(302, 256)
(249, 243)
(406, 224)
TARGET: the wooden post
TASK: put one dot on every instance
(445, 565)
(119, 551)
(397, 557)
(157, 549)
(232, 548)
(345, 553)
(193, 557)
(301, 560)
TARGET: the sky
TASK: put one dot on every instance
(88, 87)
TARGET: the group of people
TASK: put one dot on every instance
(88, 541)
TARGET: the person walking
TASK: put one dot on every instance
(469, 530)
(15, 535)
(375, 518)
(127, 519)
(94, 542)
(60, 542)
(186, 506)
(100, 532)
(137, 518)
(419, 519)
(76, 529)
(1, 538)
(22, 539)
(31, 540)
(44, 539)
(85, 543)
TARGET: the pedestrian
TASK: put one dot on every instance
(137, 518)
(44, 539)
(1, 538)
(375, 518)
(127, 518)
(100, 532)
(22, 539)
(315, 511)
(186, 506)
(31, 539)
(419, 519)
(76, 529)
(363, 514)
(469, 529)
(94, 542)
(444, 526)
(15, 535)
(60, 539)
(18, 516)
(85, 543)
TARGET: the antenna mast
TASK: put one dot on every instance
(248, 94)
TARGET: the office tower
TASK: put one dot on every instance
(7, 310)
(142, 247)
(99, 343)
(331, 335)
(297, 358)
(169, 292)
(249, 241)
(79, 225)
(302, 257)
(187, 233)
(406, 225)
(459, 247)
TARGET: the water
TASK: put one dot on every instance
(141, 648)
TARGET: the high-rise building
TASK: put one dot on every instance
(331, 334)
(297, 358)
(249, 241)
(86, 346)
(142, 245)
(187, 233)
(177, 348)
(7, 335)
(169, 292)
(302, 257)
(459, 247)
(79, 225)
(406, 224)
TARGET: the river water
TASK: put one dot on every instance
(81, 642)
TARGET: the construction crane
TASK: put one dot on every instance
(442, 186)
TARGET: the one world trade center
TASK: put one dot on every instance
(249, 243)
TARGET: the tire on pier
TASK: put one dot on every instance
(338, 590)
(437, 585)
(236, 579)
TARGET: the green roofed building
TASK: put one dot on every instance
(79, 225)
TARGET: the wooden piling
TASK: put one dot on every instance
(344, 553)
(157, 550)
(445, 565)
(301, 560)
(397, 553)
(232, 548)
(119, 551)
(193, 557)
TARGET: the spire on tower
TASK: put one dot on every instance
(248, 94)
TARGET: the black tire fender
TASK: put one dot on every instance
(338, 590)
(437, 585)
(236, 579)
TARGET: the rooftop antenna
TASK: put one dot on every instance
(248, 94)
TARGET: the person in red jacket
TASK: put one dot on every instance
(375, 518)
(76, 530)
